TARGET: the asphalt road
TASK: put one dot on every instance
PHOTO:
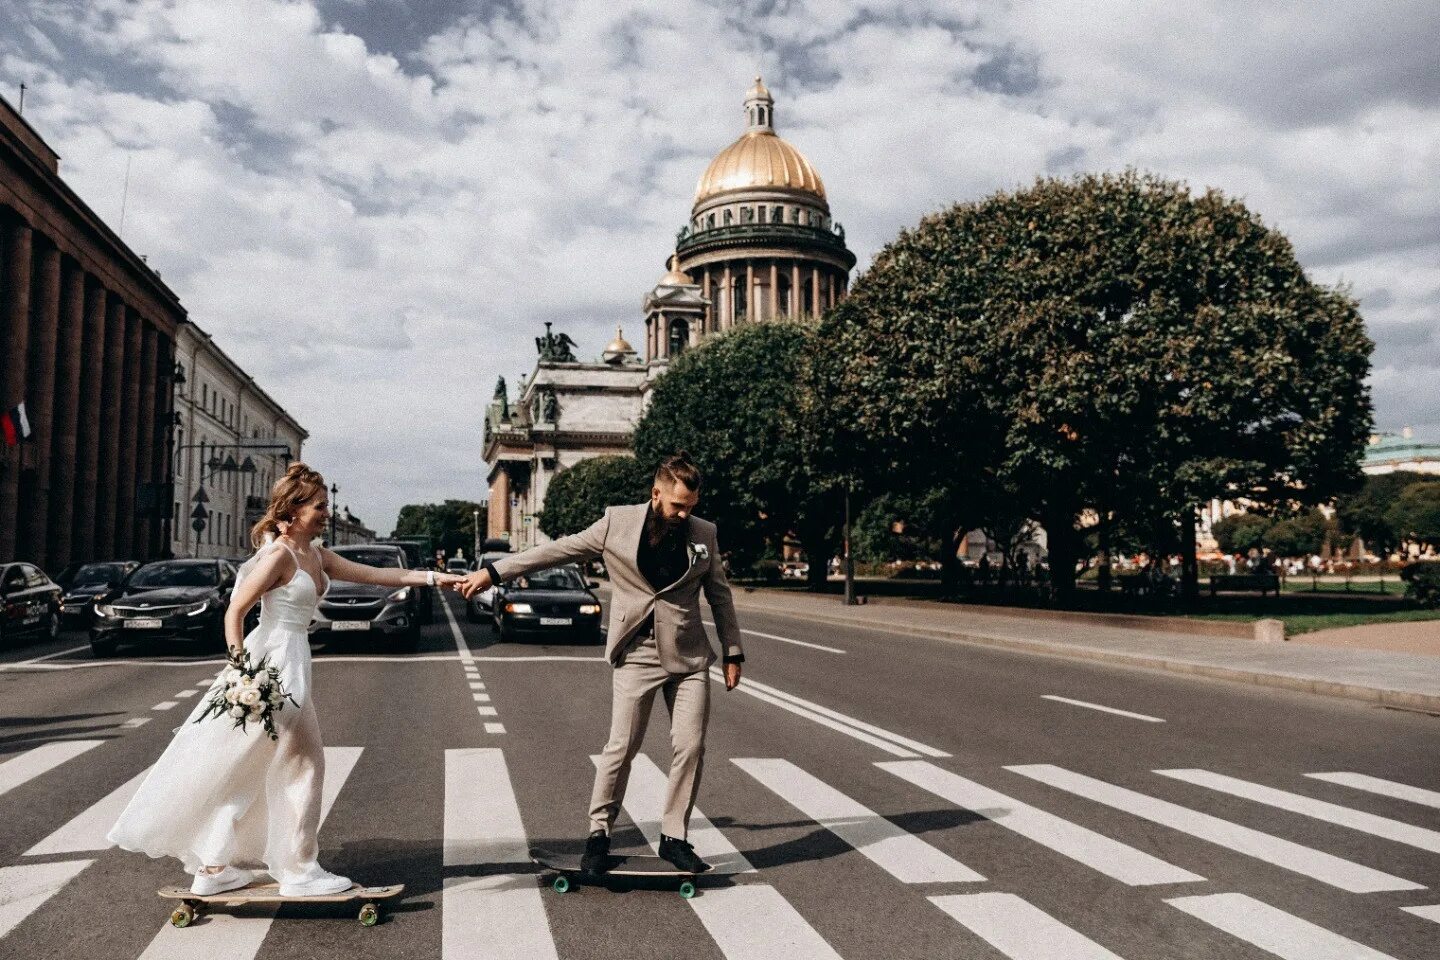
(866, 795)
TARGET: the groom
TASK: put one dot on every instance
(660, 557)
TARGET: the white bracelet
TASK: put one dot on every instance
(429, 578)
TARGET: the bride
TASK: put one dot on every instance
(226, 800)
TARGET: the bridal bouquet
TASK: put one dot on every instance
(248, 694)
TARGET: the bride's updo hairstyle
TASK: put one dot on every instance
(299, 486)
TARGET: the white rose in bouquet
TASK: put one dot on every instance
(232, 694)
(248, 681)
(229, 675)
(257, 711)
(250, 697)
(237, 711)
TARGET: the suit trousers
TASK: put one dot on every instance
(687, 696)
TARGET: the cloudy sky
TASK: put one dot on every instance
(374, 205)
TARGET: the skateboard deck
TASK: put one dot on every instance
(192, 904)
(568, 868)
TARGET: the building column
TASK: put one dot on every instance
(107, 477)
(795, 298)
(774, 290)
(87, 431)
(66, 414)
(40, 406)
(662, 327)
(497, 516)
(132, 432)
(147, 431)
(727, 316)
(815, 306)
(749, 291)
(707, 320)
(164, 471)
(15, 324)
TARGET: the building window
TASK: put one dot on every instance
(747, 215)
(205, 395)
(807, 299)
(737, 297)
(728, 218)
(679, 337)
(777, 214)
(710, 222)
(782, 294)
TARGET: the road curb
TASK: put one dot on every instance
(1377, 695)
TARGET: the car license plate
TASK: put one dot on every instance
(144, 624)
(555, 621)
(350, 625)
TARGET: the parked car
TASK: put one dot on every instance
(29, 602)
(457, 565)
(365, 609)
(417, 558)
(480, 608)
(92, 583)
(166, 598)
(558, 600)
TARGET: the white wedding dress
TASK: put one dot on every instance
(222, 796)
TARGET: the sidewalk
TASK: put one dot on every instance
(1384, 677)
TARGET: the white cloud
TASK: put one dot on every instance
(376, 236)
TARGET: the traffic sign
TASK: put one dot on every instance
(198, 524)
(199, 513)
(201, 496)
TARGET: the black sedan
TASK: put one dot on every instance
(29, 602)
(167, 598)
(92, 583)
(548, 602)
(366, 610)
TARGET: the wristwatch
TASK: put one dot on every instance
(429, 578)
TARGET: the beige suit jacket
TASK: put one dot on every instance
(680, 636)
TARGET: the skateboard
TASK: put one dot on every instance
(192, 904)
(568, 873)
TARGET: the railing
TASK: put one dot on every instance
(762, 232)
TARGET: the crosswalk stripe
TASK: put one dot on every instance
(1096, 851)
(901, 854)
(1320, 866)
(1426, 912)
(1382, 827)
(24, 889)
(849, 731)
(755, 922)
(1272, 929)
(225, 936)
(87, 831)
(1385, 788)
(754, 687)
(495, 916)
(645, 803)
(1019, 929)
(40, 760)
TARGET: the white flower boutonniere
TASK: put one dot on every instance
(699, 551)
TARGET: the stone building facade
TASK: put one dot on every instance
(232, 440)
(88, 333)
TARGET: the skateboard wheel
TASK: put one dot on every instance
(560, 884)
(182, 915)
(687, 889)
(369, 915)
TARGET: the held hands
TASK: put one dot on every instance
(473, 584)
(448, 581)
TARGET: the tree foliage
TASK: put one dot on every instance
(1366, 512)
(735, 405)
(1240, 532)
(578, 496)
(450, 526)
(1111, 344)
(1299, 536)
(1415, 515)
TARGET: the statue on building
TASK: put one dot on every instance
(502, 397)
(550, 406)
(555, 347)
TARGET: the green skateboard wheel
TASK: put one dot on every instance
(369, 915)
(687, 889)
(182, 916)
(561, 884)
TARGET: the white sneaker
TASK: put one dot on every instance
(231, 878)
(322, 885)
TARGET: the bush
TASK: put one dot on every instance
(766, 571)
(1422, 583)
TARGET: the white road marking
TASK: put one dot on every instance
(319, 662)
(206, 684)
(1273, 930)
(134, 722)
(493, 727)
(1385, 788)
(24, 889)
(905, 742)
(42, 759)
(224, 935)
(477, 686)
(748, 687)
(185, 694)
(495, 916)
(87, 831)
(481, 697)
(645, 803)
(1382, 827)
(1425, 913)
(1095, 706)
(542, 659)
(488, 711)
(798, 643)
(461, 646)
(754, 922)
(903, 855)
(1315, 864)
(166, 705)
(1019, 929)
(1096, 851)
(52, 656)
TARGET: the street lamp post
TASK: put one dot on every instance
(334, 493)
(475, 520)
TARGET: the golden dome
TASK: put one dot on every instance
(673, 277)
(619, 345)
(760, 159)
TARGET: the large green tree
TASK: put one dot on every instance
(735, 405)
(1241, 532)
(450, 526)
(1109, 346)
(1366, 512)
(1416, 513)
(577, 497)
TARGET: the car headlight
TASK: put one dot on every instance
(519, 608)
(105, 610)
(400, 595)
(193, 609)
(589, 608)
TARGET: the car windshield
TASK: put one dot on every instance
(372, 558)
(93, 573)
(563, 578)
(175, 575)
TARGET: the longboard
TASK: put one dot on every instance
(569, 874)
(193, 904)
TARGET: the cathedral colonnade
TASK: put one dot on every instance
(87, 341)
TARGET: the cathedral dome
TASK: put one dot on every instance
(760, 159)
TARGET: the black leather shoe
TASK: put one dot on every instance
(682, 855)
(596, 858)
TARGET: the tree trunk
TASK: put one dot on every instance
(818, 547)
(1104, 537)
(1189, 562)
(950, 561)
(1063, 549)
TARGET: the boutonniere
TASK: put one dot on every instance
(698, 552)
